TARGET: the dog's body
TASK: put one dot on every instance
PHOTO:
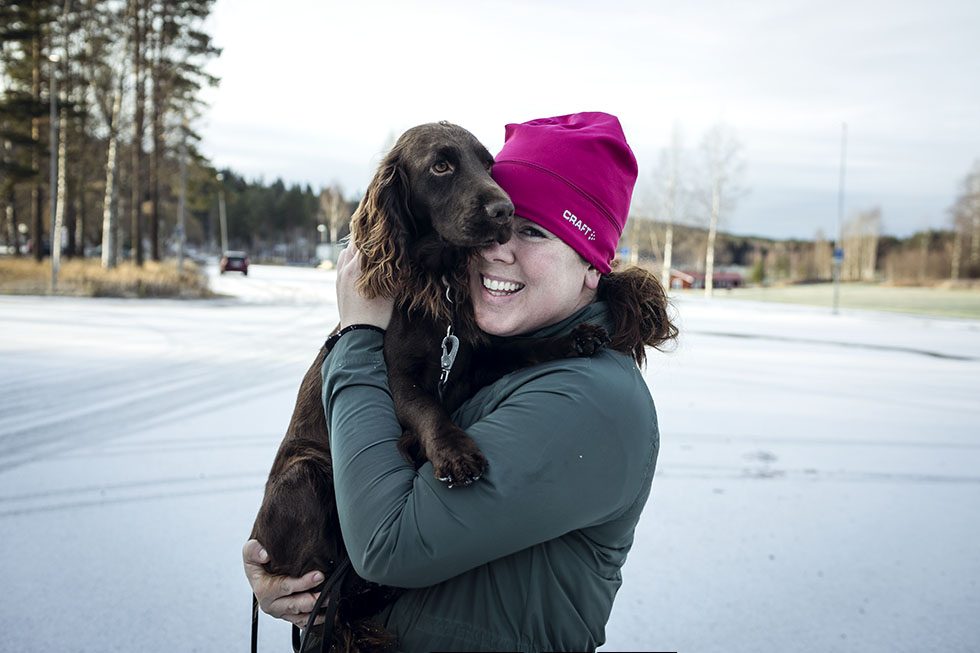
(430, 205)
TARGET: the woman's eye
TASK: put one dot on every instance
(532, 232)
(442, 168)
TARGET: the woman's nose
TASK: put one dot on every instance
(501, 252)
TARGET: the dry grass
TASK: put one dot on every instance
(87, 278)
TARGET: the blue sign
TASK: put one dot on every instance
(838, 254)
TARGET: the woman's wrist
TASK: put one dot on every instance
(332, 340)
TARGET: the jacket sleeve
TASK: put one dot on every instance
(565, 452)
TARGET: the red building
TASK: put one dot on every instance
(682, 279)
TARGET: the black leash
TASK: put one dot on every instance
(330, 590)
(255, 624)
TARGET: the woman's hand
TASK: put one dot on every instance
(280, 596)
(354, 307)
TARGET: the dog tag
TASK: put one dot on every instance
(450, 345)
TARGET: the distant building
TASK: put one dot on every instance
(683, 279)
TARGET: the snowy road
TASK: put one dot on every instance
(818, 485)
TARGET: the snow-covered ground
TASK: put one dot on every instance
(818, 484)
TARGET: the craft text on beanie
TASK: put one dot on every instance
(574, 176)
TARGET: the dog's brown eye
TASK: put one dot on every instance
(442, 168)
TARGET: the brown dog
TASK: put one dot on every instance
(431, 203)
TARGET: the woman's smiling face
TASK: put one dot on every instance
(531, 281)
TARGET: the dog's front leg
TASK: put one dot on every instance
(413, 377)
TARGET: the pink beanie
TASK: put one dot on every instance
(574, 176)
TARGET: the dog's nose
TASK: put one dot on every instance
(500, 211)
(504, 234)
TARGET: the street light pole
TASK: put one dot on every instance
(975, 237)
(53, 183)
(839, 249)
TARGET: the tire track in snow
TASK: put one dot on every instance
(682, 438)
(137, 491)
(177, 445)
(158, 392)
(767, 472)
(163, 403)
(89, 390)
(836, 343)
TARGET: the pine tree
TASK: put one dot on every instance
(25, 40)
(177, 53)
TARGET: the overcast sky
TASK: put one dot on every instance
(313, 91)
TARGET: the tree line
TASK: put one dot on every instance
(125, 78)
(922, 258)
(99, 99)
(114, 87)
(276, 221)
(678, 210)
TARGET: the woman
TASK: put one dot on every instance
(529, 557)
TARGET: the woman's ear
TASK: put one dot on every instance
(592, 278)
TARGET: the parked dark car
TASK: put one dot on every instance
(234, 262)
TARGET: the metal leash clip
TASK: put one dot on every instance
(450, 346)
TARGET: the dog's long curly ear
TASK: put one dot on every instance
(380, 229)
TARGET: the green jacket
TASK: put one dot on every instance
(526, 559)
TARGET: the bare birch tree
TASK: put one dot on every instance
(639, 223)
(674, 197)
(335, 210)
(970, 200)
(110, 216)
(723, 169)
(965, 216)
(62, 178)
(861, 234)
(957, 253)
(107, 49)
(869, 262)
(660, 200)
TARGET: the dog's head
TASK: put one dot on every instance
(436, 179)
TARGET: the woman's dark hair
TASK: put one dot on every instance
(638, 305)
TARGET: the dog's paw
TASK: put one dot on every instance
(457, 461)
(589, 339)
